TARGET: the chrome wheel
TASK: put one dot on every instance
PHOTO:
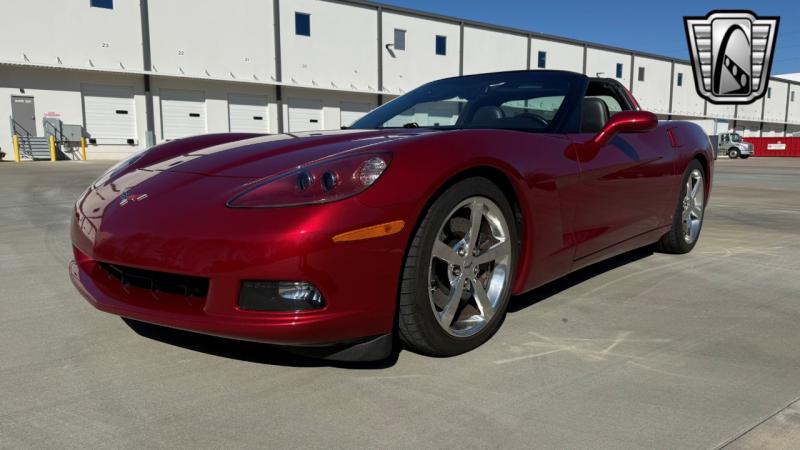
(469, 267)
(693, 206)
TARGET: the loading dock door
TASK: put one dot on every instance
(110, 113)
(24, 115)
(352, 111)
(248, 113)
(183, 113)
(305, 115)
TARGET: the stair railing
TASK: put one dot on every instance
(62, 142)
(25, 147)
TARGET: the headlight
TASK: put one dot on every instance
(314, 184)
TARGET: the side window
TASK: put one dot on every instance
(441, 45)
(302, 24)
(106, 4)
(399, 39)
(440, 113)
(610, 94)
(544, 107)
(612, 103)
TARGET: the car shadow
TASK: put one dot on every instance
(250, 351)
(296, 357)
(562, 284)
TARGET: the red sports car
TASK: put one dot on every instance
(419, 221)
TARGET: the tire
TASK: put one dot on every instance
(689, 213)
(733, 153)
(442, 262)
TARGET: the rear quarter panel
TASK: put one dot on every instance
(693, 143)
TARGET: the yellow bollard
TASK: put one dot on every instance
(15, 141)
(83, 148)
(52, 148)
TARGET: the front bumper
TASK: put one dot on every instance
(358, 280)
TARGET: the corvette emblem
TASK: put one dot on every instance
(127, 197)
(731, 54)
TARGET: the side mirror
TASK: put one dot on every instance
(625, 122)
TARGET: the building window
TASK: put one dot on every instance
(619, 70)
(542, 60)
(680, 79)
(441, 45)
(399, 39)
(769, 92)
(107, 4)
(641, 73)
(302, 24)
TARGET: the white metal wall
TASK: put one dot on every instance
(775, 102)
(560, 56)
(403, 70)
(654, 90)
(685, 100)
(200, 39)
(340, 53)
(492, 51)
(69, 33)
(604, 63)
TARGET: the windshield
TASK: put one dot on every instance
(736, 138)
(529, 101)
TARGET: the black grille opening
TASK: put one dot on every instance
(169, 283)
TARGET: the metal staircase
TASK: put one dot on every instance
(35, 148)
(38, 148)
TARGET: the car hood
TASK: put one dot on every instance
(268, 155)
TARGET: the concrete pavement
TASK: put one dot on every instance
(644, 351)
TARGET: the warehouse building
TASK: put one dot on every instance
(131, 73)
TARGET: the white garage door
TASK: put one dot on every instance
(305, 115)
(110, 113)
(183, 113)
(248, 113)
(352, 111)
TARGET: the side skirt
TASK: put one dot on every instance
(633, 243)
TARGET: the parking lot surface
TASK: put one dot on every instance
(647, 350)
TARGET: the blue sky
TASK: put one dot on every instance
(655, 27)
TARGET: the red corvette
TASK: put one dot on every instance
(420, 221)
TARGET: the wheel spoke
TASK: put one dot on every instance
(497, 251)
(482, 299)
(445, 252)
(695, 188)
(697, 211)
(689, 188)
(453, 302)
(475, 218)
